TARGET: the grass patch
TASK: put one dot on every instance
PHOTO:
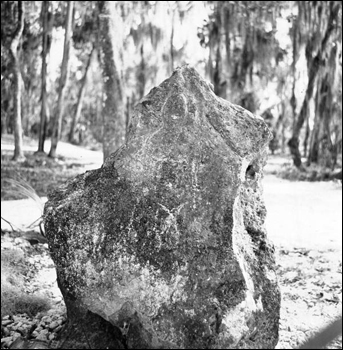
(312, 173)
(14, 300)
(39, 171)
(13, 262)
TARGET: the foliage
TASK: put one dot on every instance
(256, 53)
(325, 38)
(38, 172)
(313, 172)
(41, 173)
(13, 299)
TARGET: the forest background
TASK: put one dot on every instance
(74, 71)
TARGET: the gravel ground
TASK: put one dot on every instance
(310, 283)
(40, 281)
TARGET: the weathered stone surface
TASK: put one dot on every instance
(165, 245)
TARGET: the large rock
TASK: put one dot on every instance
(164, 246)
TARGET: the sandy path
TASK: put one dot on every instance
(22, 213)
(91, 159)
(304, 214)
(300, 214)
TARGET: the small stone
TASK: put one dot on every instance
(5, 331)
(6, 322)
(6, 317)
(19, 343)
(39, 315)
(53, 325)
(17, 325)
(42, 337)
(51, 336)
(24, 330)
(6, 245)
(51, 312)
(44, 331)
(16, 335)
(46, 319)
(29, 322)
(58, 298)
(22, 242)
(6, 341)
(57, 329)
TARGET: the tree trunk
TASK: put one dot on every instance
(172, 42)
(128, 115)
(295, 49)
(313, 149)
(218, 83)
(56, 131)
(315, 65)
(18, 132)
(82, 91)
(323, 149)
(43, 115)
(218, 78)
(141, 74)
(307, 135)
(114, 119)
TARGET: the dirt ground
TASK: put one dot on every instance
(304, 221)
